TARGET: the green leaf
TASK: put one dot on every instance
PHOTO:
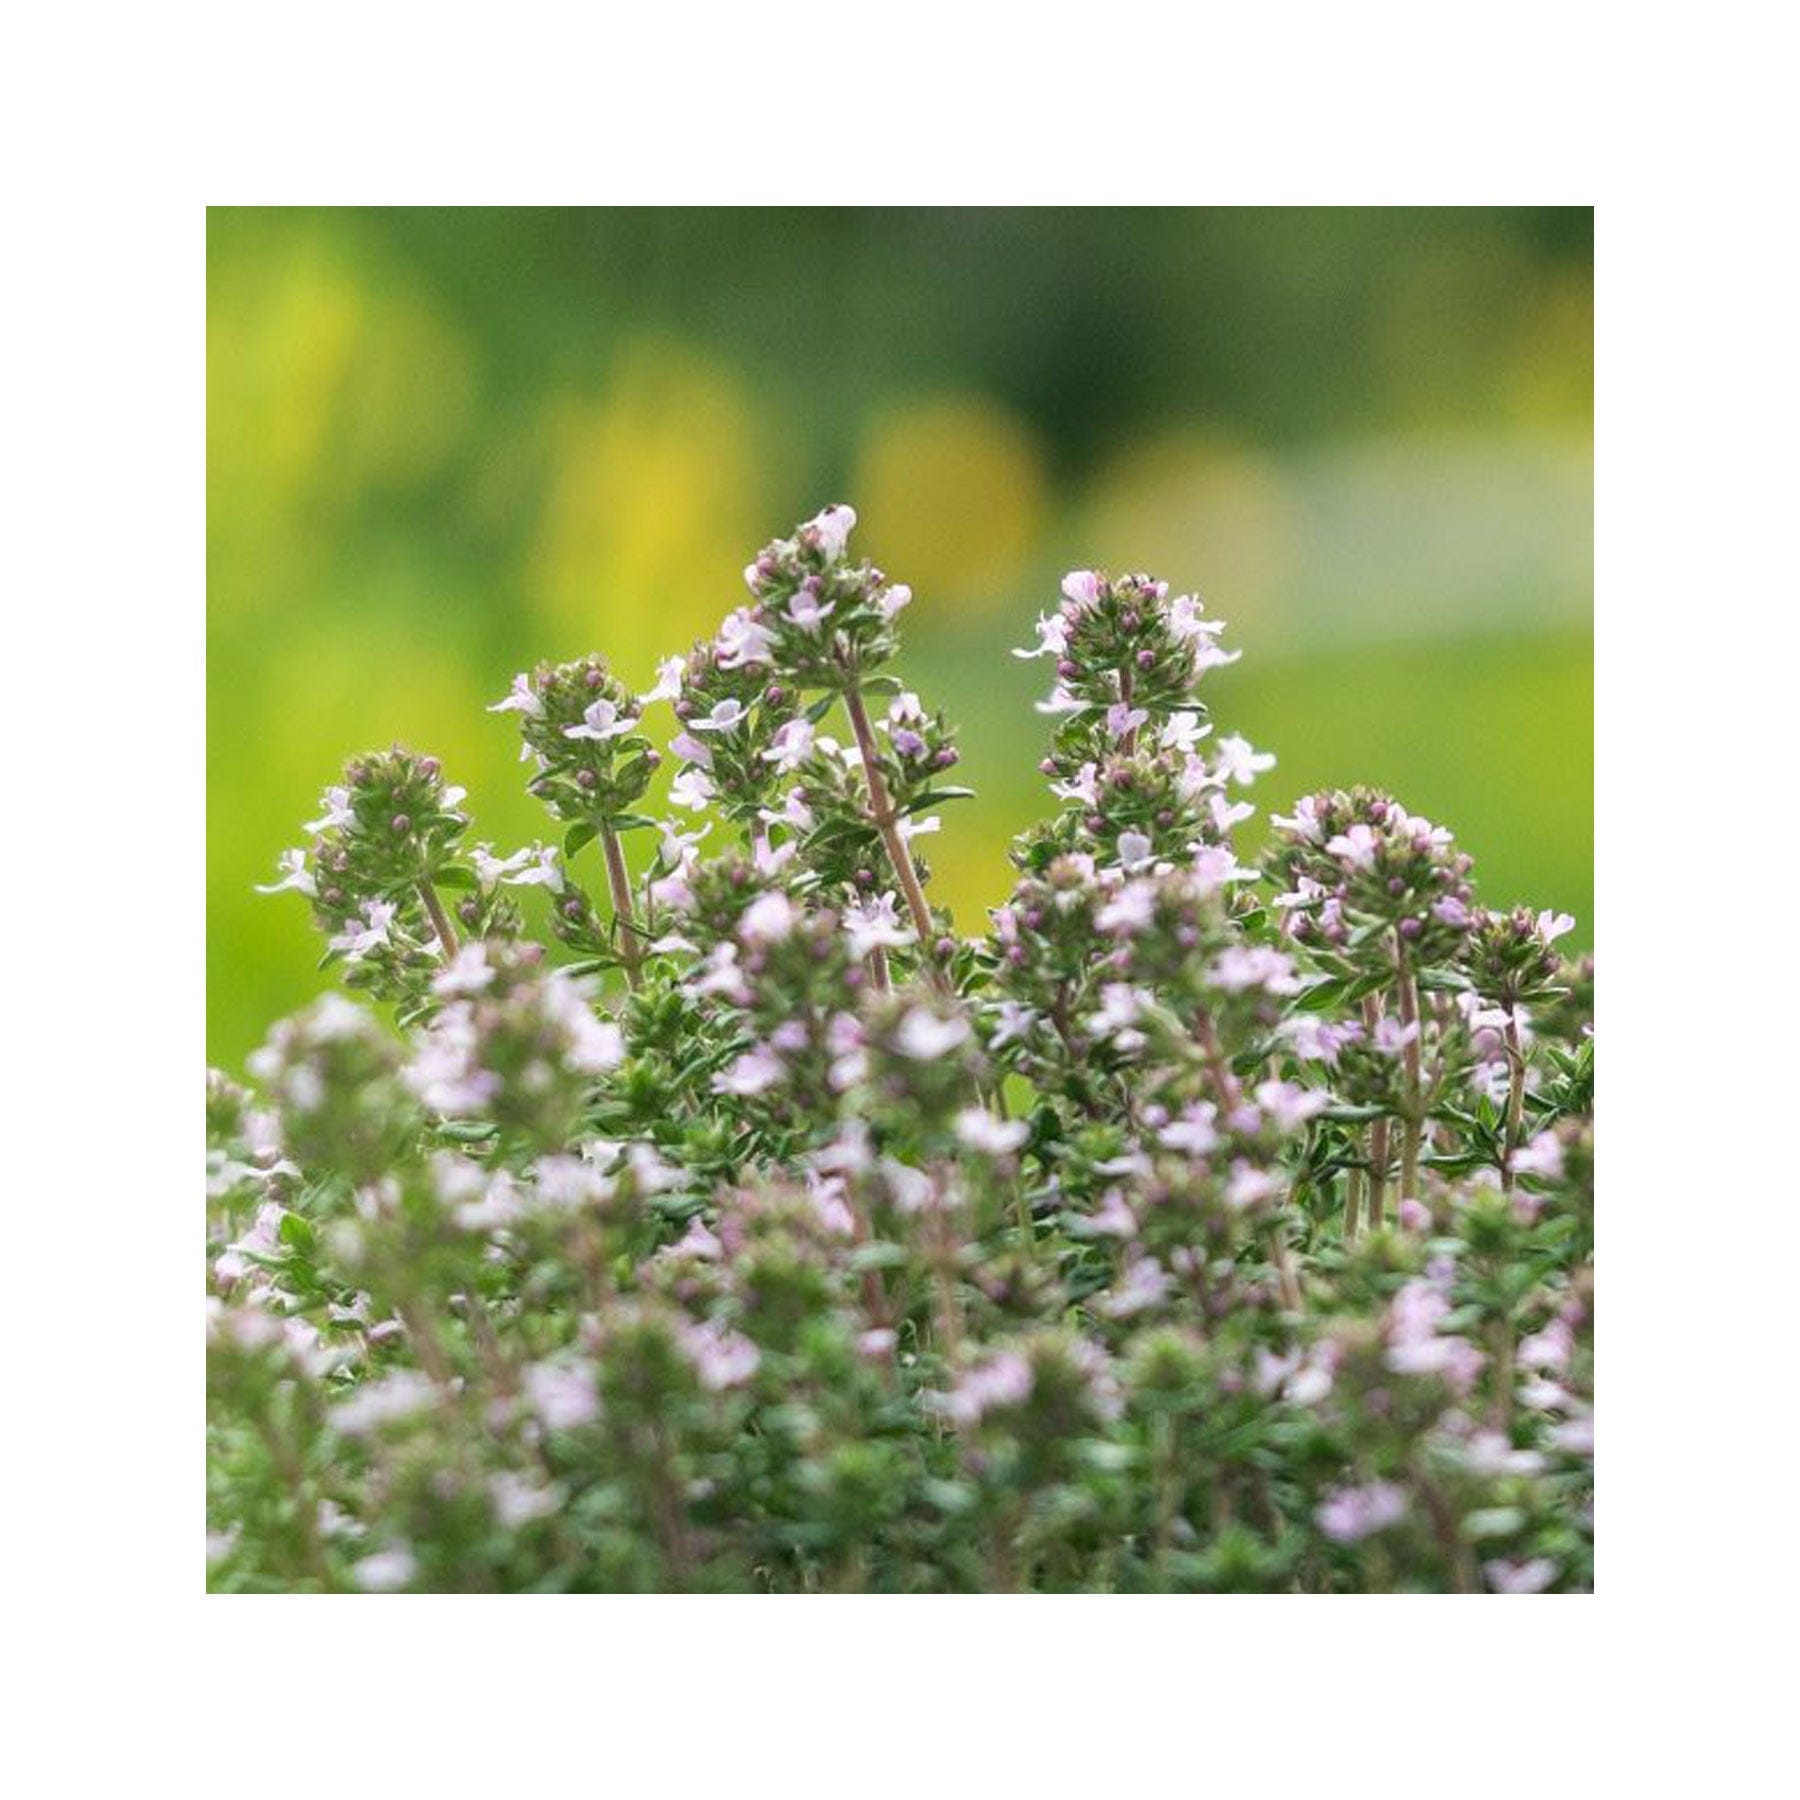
(933, 796)
(578, 837)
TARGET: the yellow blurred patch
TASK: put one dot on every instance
(650, 509)
(329, 386)
(951, 494)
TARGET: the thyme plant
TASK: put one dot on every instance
(723, 1217)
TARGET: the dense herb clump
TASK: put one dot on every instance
(1201, 1227)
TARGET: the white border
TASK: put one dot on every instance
(123, 124)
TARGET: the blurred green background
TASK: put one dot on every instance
(443, 443)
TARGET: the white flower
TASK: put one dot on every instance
(832, 527)
(790, 746)
(1121, 1006)
(1145, 1284)
(469, 973)
(518, 1500)
(692, 789)
(755, 1072)
(1082, 788)
(892, 601)
(599, 722)
(1357, 846)
(1053, 632)
(356, 941)
(1134, 849)
(386, 1571)
(804, 610)
(1016, 1022)
(543, 870)
(1239, 763)
(1082, 586)
(562, 1394)
(875, 925)
(1529, 1577)
(742, 641)
(668, 680)
(1131, 909)
(728, 715)
(925, 1037)
(294, 874)
(520, 700)
(378, 1403)
(980, 1130)
(1183, 731)
(768, 919)
(1194, 1132)
(337, 811)
(491, 869)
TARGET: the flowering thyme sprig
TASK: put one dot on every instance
(383, 847)
(1127, 760)
(579, 724)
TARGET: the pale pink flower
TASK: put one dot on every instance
(600, 721)
(386, 1572)
(768, 919)
(1122, 720)
(520, 699)
(691, 789)
(980, 1130)
(1194, 1132)
(1182, 731)
(1053, 632)
(790, 746)
(1347, 1515)
(721, 1357)
(755, 1072)
(669, 673)
(562, 1395)
(1529, 1577)
(1134, 849)
(1357, 846)
(294, 874)
(742, 641)
(875, 925)
(831, 530)
(1240, 763)
(925, 1037)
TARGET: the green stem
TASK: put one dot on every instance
(1413, 1123)
(440, 920)
(624, 913)
(1378, 1134)
(881, 815)
(1515, 1099)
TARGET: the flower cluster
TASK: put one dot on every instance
(1201, 1225)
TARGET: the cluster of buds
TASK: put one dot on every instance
(1511, 959)
(821, 619)
(381, 850)
(579, 725)
(333, 1075)
(738, 725)
(1349, 862)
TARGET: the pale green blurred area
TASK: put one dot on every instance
(446, 443)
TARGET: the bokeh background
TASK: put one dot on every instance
(443, 443)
